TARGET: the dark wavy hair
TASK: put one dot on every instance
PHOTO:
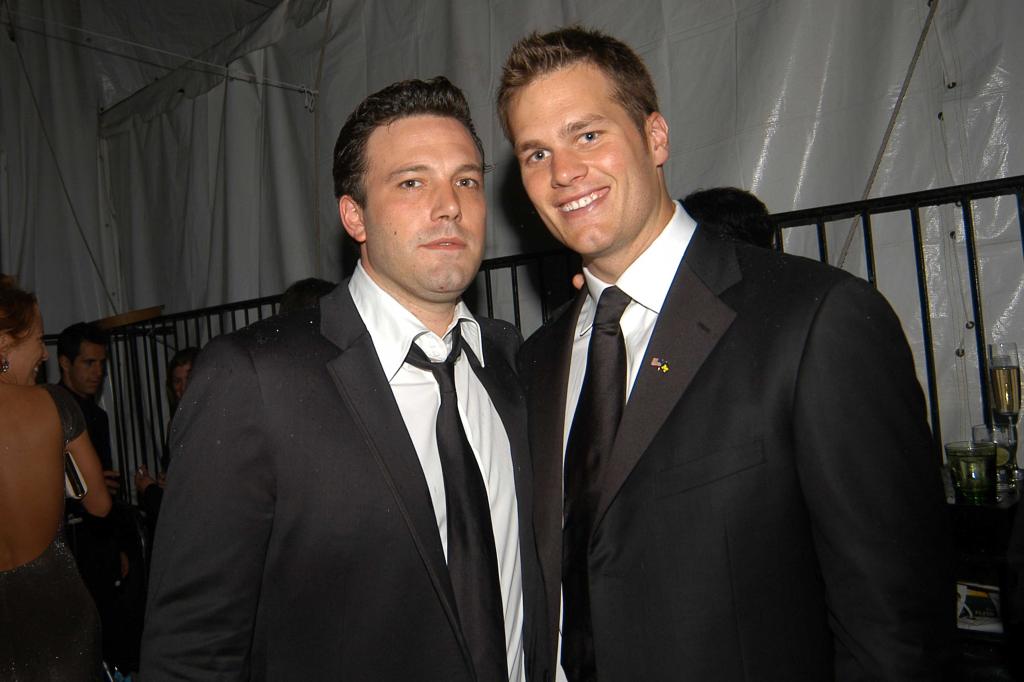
(435, 97)
(17, 308)
(539, 54)
(733, 213)
(69, 342)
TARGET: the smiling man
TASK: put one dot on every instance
(350, 497)
(735, 479)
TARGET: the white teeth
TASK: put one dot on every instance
(578, 203)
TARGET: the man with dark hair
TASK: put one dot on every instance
(733, 213)
(82, 356)
(350, 496)
(106, 549)
(305, 293)
(735, 477)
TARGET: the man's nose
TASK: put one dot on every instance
(567, 168)
(446, 204)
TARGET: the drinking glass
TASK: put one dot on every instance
(973, 470)
(1004, 383)
(999, 436)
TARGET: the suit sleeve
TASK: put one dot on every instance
(215, 522)
(871, 477)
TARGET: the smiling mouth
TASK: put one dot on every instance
(582, 202)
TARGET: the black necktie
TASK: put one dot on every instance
(472, 560)
(590, 441)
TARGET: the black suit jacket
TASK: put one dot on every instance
(772, 507)
(297, 538)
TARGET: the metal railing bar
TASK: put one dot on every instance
(926, 324)
(1019, 193)
(899, 202)
(517, 318)
(489, 293)
(822, 242)
(869, 247)
(974, 279)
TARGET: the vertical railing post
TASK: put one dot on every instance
(974, 279)
(926, 324)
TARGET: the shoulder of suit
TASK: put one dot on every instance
(799, 270)
(283, 333)
(542, 335)
(500, 334)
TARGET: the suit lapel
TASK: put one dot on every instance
(364, 389)
(546, 368)
(548, 388)
(692, 320)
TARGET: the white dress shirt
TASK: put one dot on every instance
(647, 281)
(393, 330)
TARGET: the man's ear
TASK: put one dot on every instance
(352, 218)
(65, 364)
(657, 137)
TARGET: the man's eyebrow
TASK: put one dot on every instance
(423, 168)
(570, 129)
(574, 127)
(471, 168)
(407, 169)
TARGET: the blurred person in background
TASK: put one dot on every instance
(151, 490)
(49, 624)
(106, 549)
(305, 293)
(82, 356)
(733, 213)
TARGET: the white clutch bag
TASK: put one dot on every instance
(74, 484)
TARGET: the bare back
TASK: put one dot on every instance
(31, 473)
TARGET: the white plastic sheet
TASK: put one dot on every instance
(202, 190)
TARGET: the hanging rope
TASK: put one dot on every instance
(187, 62)
(56, 163)
(934, 4)
(316, 140)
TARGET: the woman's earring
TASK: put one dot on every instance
(5, 365)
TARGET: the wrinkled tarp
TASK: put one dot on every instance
(199, 190)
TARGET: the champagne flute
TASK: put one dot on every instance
(1004, 382)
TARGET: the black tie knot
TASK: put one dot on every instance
(610, 307)
(444, 371)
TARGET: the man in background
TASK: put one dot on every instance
(733, 213)
(82, 356)
(305, 293)
(107, 550)
(735, 477)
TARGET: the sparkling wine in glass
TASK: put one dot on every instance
(1004, 382)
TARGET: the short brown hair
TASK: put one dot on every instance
(435, 97)
(537, 55)
(17, 308)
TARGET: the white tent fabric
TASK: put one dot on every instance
(199, 190)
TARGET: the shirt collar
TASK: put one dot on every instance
(649, 277)
(393, 329)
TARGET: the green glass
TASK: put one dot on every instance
(973, 468)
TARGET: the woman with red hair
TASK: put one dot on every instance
(49, 623)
